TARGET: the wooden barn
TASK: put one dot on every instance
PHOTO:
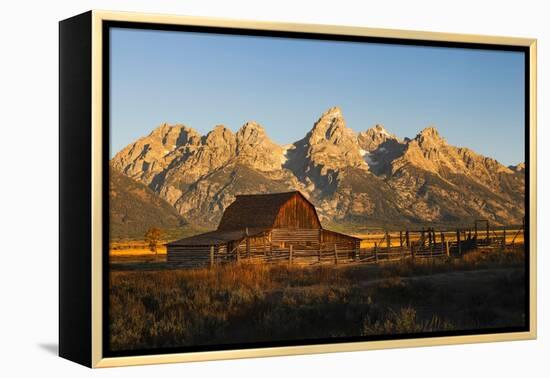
(263, 228)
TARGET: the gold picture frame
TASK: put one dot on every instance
(92, 25)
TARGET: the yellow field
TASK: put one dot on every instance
(134, 248)
(378, 238)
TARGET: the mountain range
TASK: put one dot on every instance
(370, 178)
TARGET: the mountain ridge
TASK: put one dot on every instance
(350, 177)
(134, 209)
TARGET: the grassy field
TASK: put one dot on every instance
(369, 239)
(134, 248)
(138, 246)
(155, 307)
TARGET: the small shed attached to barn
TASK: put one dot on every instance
(265, 228)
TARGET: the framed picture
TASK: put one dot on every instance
(235, 189)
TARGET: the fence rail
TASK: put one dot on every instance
(420, 244)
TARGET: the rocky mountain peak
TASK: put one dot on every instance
(520, 168)
(256, 150)
(332, 112)
(430, 131)
(331, 127)
(429, 137)
(219, 137)
(371, 139)
(173, 135)
(162, 129)
(251, 133)
(431, 152)
(327, 148)
(150, 155)
(252, 125)
(380, 129)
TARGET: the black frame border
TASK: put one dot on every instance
(75, 195)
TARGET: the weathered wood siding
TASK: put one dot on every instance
(253, 246)
(297, 213)
(188, 257)
(330, 238)
(198, 256)
(296, 237)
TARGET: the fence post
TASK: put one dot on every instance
(504, 240)
(247, 247)
(408, 242)
(431, 245)
(335, 254)
(401, 245)
(375, 252)
(211, 256)
(388, 245)
(475, 235)
(447, 250)
(444, 244)
(290, 254)
(423, 237)
(458, 242)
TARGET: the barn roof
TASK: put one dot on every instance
(339, 233)
(216, 237)
(245, 211)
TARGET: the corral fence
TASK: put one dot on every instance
(425, 243)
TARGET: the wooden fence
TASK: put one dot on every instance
(392, 246)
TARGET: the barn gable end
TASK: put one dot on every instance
(297, 212)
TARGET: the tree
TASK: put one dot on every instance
(152, 236)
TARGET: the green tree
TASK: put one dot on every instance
(152, 236)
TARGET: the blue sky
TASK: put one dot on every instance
(474, 97)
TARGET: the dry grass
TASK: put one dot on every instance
(255, 303)
(405, 321)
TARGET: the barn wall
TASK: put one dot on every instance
(309, 245)
(199, 256)
(297, 213)
(296, 237)
(330, 238)
(255, 246)
(188, 256)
